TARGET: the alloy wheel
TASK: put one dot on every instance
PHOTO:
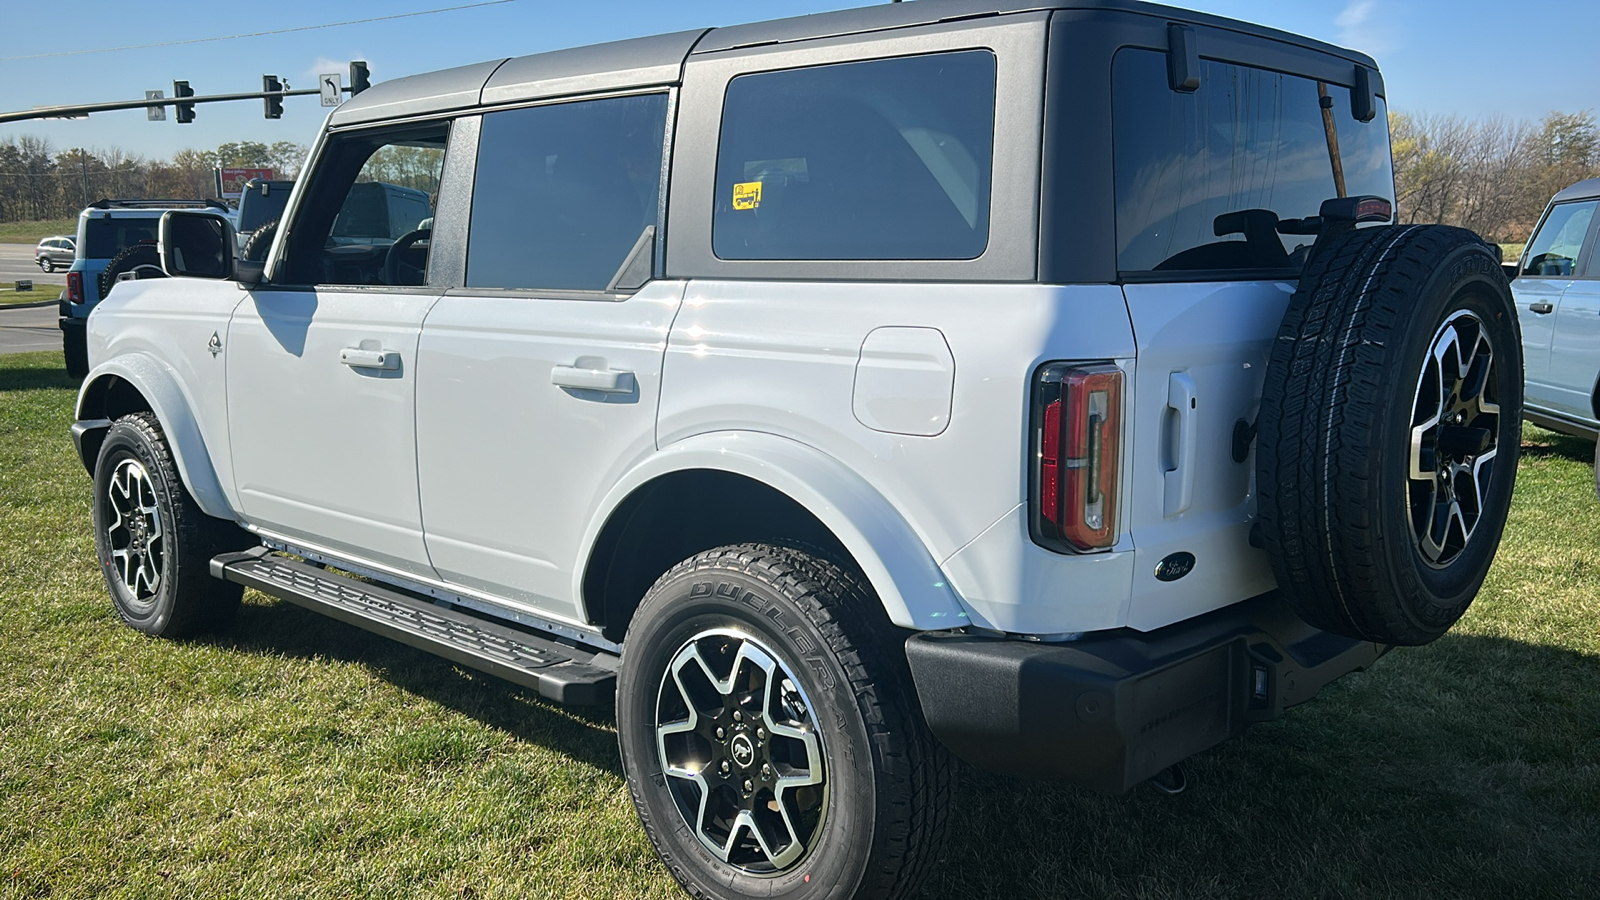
(739, 746)
(1455, 427)
(134, 531)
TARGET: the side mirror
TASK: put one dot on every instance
(197, 244)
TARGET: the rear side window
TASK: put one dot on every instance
(1248, 140)
(105, 238)
(1554, 250)
(564, 192)
(886, 159)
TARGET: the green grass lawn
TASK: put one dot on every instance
(296, 757)
(36, 231)
(10, 296)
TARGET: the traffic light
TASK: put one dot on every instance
(272, 105)
(359, 80)
(184, 111)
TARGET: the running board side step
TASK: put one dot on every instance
(558, 671)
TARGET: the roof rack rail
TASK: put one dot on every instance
(105, 203)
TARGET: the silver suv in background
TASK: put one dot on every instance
(55, 252)
(1557, 292)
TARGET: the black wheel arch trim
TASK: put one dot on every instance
(87, 436)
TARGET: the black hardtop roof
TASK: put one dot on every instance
(658, 59)
(1586, 189)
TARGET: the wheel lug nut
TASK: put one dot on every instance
(766, 771)
(761, 734)
(725, 767)
(720, 733)
(749, 786)
(738, 716)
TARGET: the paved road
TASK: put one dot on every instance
(23, 330)
(16, 261)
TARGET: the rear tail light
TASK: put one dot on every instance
(1077, 442)
(74, 287)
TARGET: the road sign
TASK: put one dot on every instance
(332, 86)
(155, 113)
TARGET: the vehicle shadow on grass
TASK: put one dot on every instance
(1537, 443)
(1468, 768)
(36, 377)
(583, 733)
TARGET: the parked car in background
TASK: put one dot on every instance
(55, 252)
(1557, 291)
(107, 229)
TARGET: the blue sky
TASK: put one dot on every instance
(1468, 57)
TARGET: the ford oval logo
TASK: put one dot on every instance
(1175, 566)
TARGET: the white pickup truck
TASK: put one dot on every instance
(1037, 382)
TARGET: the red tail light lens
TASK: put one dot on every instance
(1077, 456)
(75, 287)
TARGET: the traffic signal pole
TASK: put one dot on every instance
(359, 82)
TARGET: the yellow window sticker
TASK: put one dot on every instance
(747, 195)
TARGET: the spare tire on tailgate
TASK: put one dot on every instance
(1389, 431)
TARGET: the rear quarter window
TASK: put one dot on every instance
(1248, 139)
(886, 159)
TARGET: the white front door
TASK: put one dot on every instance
(322, 362)
(321, 388)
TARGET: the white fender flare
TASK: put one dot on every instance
(894, 559)
(157, 383)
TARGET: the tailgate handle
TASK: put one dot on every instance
(1179, 486)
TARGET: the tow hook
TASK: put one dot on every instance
(1170, 781)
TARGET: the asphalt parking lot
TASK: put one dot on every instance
(29, 328)
(16, 262)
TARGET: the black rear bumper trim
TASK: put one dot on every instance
(1113, 709)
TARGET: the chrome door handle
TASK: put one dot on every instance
(610, 381)
(358, 358)
(1541, 308)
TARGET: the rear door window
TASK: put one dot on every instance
(1556, 250)
(1194, 169)
(563, 193)
(885, 159)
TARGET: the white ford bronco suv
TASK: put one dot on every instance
(998, 379)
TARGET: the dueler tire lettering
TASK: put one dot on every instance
(831, 741)
(1389, 432)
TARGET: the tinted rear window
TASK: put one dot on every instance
(105, 238)
(885, 159)
(1248, 139)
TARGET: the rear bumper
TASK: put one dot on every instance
(1112, 710)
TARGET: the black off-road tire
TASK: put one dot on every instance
(1349, 526)
(888, 780)
(144, 258)
(259, 242)
(184, 599)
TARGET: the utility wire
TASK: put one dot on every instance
(234, 37)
